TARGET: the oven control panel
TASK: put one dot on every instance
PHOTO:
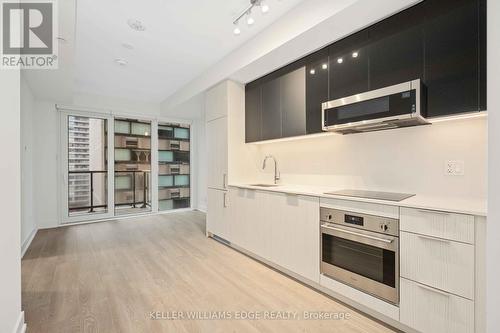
(380, 224)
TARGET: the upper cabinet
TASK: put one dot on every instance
(396, 49)
(271, 110)
(349, 65)
(455, 58)
(253, 112)
(316, 85)
(293, 103)
(441, 42)
(216, 102)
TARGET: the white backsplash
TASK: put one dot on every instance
(403, 160)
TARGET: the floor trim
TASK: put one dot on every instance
(123, 217)
(27, 242)
(20, 325)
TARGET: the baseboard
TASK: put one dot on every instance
(27, 242)
(202, 209)
(20, 325)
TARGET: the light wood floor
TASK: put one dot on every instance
(108, 277)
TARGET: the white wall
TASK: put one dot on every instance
(125, 106)
(407, 160)
(493, 225)
(10, 202)
(194, 110)
(45, 157)
(28, 222)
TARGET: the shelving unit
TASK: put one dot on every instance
(132, 166)
(174, 166)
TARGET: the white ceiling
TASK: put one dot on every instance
(183, 38)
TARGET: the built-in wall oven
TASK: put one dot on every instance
(362, 251)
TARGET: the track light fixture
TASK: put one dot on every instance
(264, 8)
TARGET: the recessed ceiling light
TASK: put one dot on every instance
(136, 25)
(237, 31)
(312, 71)
(340, 60)
(250, 20)
(264, 8)
(121, 62)
(355, 54)
(127, 46)
(324, 66)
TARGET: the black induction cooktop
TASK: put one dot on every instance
(389, 196)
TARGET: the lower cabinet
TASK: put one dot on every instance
(218, 213)
(430, 310)
(281, 228)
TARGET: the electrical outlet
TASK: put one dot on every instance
(454, 168)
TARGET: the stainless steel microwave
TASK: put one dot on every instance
(400, 105)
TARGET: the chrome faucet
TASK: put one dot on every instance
(276, 172)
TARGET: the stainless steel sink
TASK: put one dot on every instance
(264, 185)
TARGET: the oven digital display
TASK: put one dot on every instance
(351, 219)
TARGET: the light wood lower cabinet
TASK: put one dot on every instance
(218, 213)
(430, 310)
(281, 228)
(295, 232)
(438, 263)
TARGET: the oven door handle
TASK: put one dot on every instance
(387, 241)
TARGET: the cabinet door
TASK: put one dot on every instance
(217, 213)
(271, 110)
(316, 89)
(216, 102)
(397, 49)
(439, 263)
(430, 310)
(253, 112)
(349, 64)
(293, 103)
(294, 226)
(451, 56)
(216, 131)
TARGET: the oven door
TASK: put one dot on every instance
(365, 260)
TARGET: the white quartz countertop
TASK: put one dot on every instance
(470, 206)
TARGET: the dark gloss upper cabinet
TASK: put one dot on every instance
(271, 110)
(293, 103)
(396, 49)
(349, 65)
(442, 42)
(253, 112)
(316, 72)
(453, 61)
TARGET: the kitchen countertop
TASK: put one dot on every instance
(470, 206)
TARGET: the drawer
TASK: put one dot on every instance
(457, 227)
(361, 207)
(429, 310)
(438, 263)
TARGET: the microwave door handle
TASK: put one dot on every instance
(387, 241)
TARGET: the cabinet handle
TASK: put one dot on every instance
(442, 293)
(435, 212)
(225, 200)
(434, 239)
(224, 176)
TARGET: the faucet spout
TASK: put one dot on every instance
(276, 171)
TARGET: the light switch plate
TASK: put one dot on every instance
(454, 168)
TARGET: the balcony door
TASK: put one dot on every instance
(86, 155)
